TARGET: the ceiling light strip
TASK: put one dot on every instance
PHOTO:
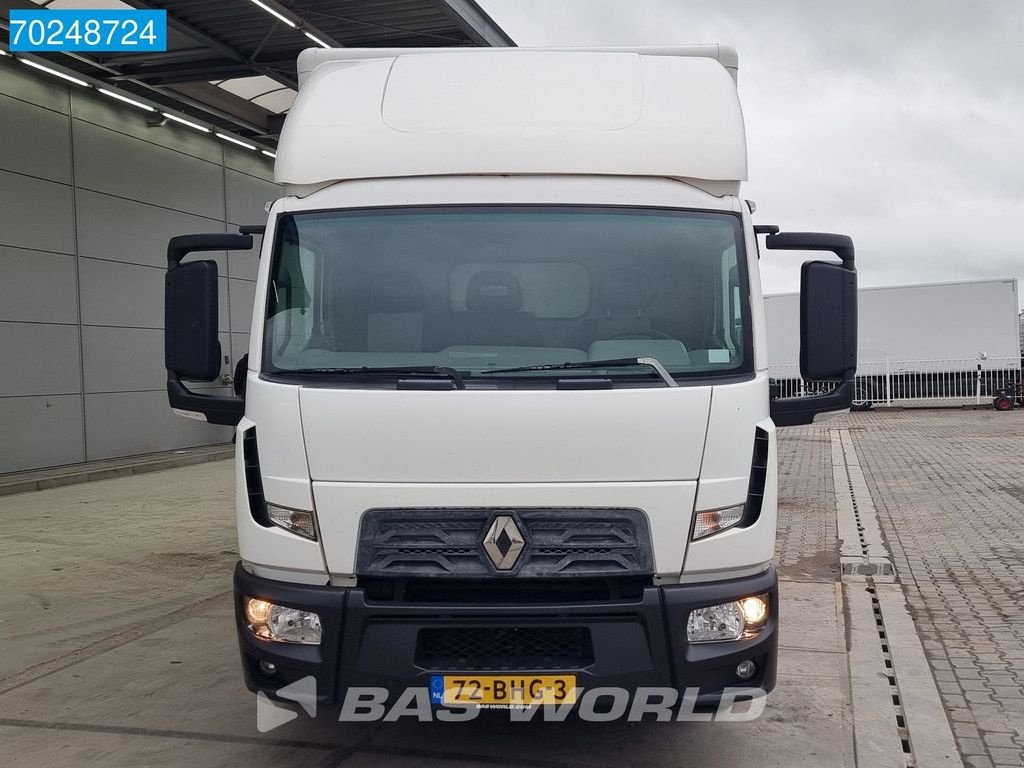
(233, 140)
(126, 100)
(54, 72)
(300, 25)
(183, 121)
(275, 14)
(316, 39)
(269, 154)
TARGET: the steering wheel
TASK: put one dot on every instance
(639, 336)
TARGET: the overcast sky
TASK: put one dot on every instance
(898, 123)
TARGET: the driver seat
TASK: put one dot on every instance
(623, 299)
(494, 314)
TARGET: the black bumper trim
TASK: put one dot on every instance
(639, 642)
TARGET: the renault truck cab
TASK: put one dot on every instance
(505, 421)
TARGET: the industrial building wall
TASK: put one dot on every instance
(89, 195)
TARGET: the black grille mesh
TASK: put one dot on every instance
(504, 648)
(560, 542)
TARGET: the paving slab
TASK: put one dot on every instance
(28, 747)
(810, 616)
(806, 547)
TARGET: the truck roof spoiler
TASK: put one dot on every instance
(665, 112)
(725, 55)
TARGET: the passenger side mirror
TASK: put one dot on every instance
(828, 326)
(191, 344)
(828, 321)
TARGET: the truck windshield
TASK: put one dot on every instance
(478, 289)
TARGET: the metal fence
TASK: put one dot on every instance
(951, 381)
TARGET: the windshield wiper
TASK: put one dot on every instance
(436, 370)
(622, 362)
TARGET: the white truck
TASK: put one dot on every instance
(927, 341)
(504, 429)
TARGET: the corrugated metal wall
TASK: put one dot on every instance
(89, 195)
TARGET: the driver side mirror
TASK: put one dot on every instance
(828, 326)
(191, 344)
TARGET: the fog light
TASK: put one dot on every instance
(746, 669)
(740, 619)
(282, 624)
(268, 668)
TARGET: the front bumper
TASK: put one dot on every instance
(633, 643)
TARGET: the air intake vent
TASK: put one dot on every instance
(253, 480)
(758, 473)
(532, 648)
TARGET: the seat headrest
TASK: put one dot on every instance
(494, 291)
(624, 289)
(396, 292)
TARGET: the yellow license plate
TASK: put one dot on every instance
(466, 690)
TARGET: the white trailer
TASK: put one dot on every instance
(917, 342)
(504, 429)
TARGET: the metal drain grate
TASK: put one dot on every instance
(890, 674)
(871, 558)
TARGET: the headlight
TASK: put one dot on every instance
(294, 520)
(728, 621)
(281, 624)
(716, 520)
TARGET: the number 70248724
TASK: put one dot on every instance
(41, 30)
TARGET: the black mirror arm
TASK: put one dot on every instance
(840, 245)
(216, 408)
(179, 247)
(794, 411)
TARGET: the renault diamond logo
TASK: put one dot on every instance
(503, 542)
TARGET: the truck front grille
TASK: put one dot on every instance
(503, 648)
(559, 543)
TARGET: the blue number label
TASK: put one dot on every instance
(35, 30)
